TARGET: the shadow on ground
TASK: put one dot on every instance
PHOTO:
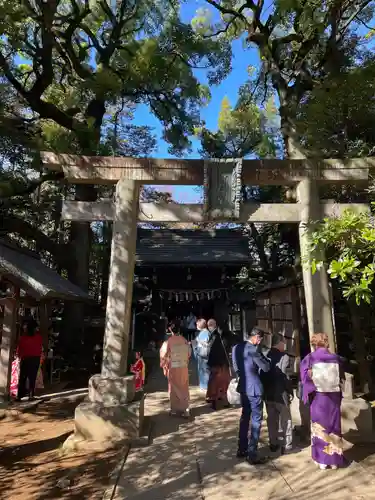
(32, 465)
(196, 459)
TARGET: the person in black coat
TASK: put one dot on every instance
(218, 363)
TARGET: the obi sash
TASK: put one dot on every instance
(179, 356)
(326, 377)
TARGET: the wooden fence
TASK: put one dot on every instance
(281, 310)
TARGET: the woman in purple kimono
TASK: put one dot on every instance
(321, 377)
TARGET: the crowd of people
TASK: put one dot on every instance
(262, 378)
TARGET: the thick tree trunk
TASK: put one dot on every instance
(80, 240)
(78, 273)
(292, 147)
(292, 150)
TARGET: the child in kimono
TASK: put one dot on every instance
(139, 370)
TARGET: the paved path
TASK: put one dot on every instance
(196, 461)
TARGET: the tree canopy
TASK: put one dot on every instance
(300, 43)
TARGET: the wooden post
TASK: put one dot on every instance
(121, 277)
(7, 345)
(316, 286)
(44, 324)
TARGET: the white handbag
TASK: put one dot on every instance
(234, 397)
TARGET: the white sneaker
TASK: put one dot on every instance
(321, 466)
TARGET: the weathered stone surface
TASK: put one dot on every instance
(109, 170)
(102, 423)
(173, 212)
(316, 286)
(356, 420)
(348, 390)
(121, 278)
(111, 391)
(73, 443)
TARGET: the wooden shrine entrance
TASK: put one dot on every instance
(222, 181)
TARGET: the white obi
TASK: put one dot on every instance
(326, 377)
(179, 356)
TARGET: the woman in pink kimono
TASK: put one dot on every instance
(174, 360)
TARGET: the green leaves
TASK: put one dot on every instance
(335, 120)
(349, 247)
(343, 267)
(242, 130)
(107, 52)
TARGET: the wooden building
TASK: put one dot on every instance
(280, 308)
(26, 283)
(192, 270)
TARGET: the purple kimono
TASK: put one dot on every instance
(323, 391)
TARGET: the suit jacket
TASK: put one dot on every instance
(248, 362)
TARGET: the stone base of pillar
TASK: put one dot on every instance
(111, 391)
(109, 424)
(113, 412)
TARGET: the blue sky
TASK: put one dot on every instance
(229, 87)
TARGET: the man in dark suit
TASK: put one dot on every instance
(248, 362)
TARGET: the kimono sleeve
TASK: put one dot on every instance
(164, 353)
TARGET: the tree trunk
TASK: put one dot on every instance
(260, 248)
(78, 273)
(292, 148)
(80, 239)
(364, 371)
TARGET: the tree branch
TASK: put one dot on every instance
(23, 189)
(354, 15)
(13, 224)
(75, 23)
(45, 78)
(226, 10)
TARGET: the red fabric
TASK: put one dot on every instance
(138, 369)
(30, 346)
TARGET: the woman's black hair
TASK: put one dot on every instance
(31, 325)
(174, 327)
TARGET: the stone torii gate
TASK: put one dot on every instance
(222, 181)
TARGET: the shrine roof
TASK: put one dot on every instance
(180, 246)
(24, 269)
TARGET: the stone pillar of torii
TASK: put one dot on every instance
(222, 181)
